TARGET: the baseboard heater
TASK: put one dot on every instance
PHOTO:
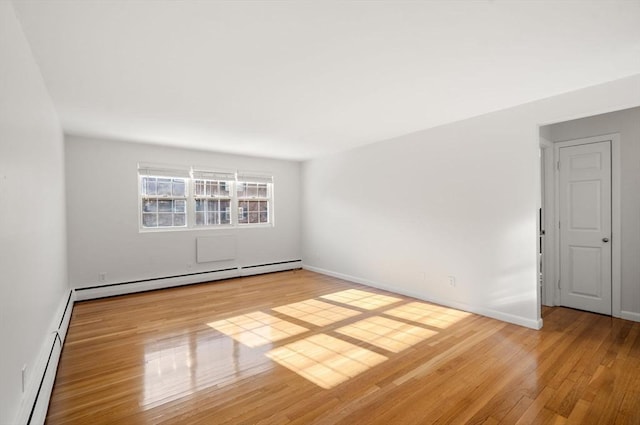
(151, 284)
(35, 409)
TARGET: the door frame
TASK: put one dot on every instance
(547, 203)
(552, 228)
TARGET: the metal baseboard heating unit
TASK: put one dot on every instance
(161, 282)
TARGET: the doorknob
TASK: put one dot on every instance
(605, 240)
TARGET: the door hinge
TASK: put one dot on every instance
(559, 287)
(558, 165)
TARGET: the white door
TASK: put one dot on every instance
(585, 226)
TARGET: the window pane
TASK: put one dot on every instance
(264, 212)
(149, 206)
(252, 190)
(212, 218)
(224, 188)
(180, 206)
(179, 187)
(165, 206)
(199, 205)
(179, 219)
(149, 220)
(243, 216)
(225, 217)
(199, 219)
(253, 217)
(164, 187)
(149, 186)
(165, 219)
(198, 188)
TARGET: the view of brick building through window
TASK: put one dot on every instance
(203, 199)
(164, 201)
(253, 203)
(213, 202)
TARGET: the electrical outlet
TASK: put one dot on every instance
(24, 377)
(452, 281)
(102, 276)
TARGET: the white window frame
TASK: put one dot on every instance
(146, 171)
(210, 177)
(191, 175)
(255, 179)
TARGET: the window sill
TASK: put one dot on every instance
(205, 228)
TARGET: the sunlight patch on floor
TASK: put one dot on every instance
(361, 299)
(428, 314)
(324, 360)
(385, 333)
(257, 328)
(316, 312)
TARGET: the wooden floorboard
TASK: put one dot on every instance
(302, 348)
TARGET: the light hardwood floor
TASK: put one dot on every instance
(301, 348)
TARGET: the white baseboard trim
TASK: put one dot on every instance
(33, 409)
(124, 288)
(505, 317)
(630, 315)
(271, 268)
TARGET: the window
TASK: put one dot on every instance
(212, 198)
(254, 193)
(253, 203)
(188, 198)
(164, 201)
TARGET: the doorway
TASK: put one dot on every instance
(581, 219)
(584, 203)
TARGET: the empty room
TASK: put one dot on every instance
(319, 212)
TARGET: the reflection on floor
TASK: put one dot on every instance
(179, 367)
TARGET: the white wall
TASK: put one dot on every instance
(627, 124)
(102, 203)
(32, 218)
(460, 200)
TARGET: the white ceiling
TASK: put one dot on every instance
(300, 79)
